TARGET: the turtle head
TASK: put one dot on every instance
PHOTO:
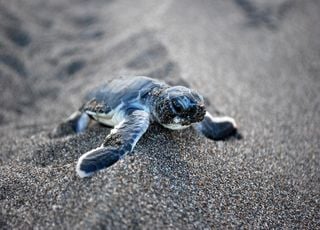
(178, 107)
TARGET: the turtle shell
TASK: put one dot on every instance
(129, 92)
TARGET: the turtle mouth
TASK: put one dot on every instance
(183, 122)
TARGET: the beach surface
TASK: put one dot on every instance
(257, 61)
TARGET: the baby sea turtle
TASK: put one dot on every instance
(130, 105)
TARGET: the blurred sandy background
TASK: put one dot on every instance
(257, 61)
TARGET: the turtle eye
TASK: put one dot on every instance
(177, 106)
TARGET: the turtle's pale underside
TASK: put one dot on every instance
(130, 105)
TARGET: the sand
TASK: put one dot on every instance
(257, 61)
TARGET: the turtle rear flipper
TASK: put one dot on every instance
(119, 142)
(217, 128)
(75, 123)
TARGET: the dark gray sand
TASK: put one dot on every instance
(258, 61)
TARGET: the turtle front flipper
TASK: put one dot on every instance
(119, 142)
(217, 128)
